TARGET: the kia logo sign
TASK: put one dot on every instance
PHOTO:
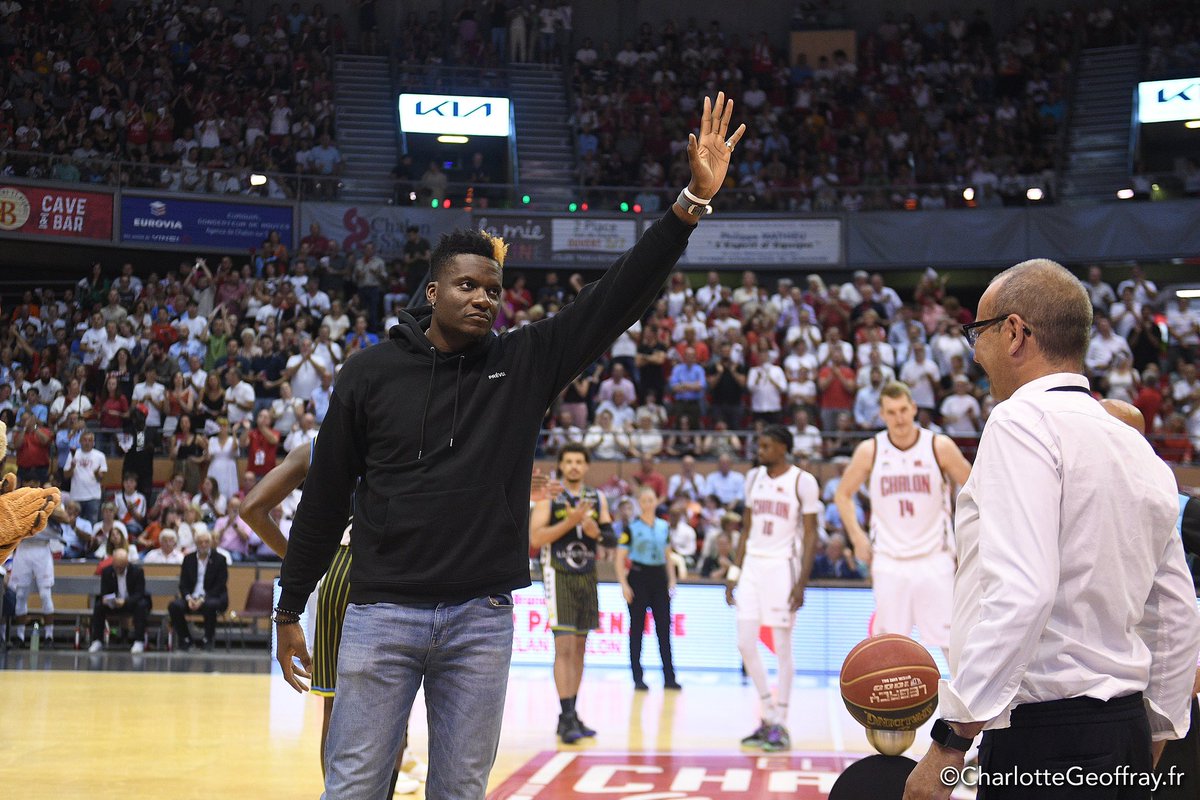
(454, 114)
(1164, 101)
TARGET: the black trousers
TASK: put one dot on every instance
(1074, 738)
(178, 609)
(650, 591)
(138, 610)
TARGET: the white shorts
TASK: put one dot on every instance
(32, 567)
(764, 590)
(914, 591)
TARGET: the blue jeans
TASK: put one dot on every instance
(461, 652)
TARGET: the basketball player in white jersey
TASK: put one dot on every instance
(911, 546)
(771, 568)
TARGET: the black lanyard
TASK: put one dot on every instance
(1070, 389)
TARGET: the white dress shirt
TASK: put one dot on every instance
(1071, 574)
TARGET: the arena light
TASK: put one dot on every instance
(1034, 194)
(1192, 124)
(412, 196)
(447, 138)
(583, 207)
(446, 203)
(1188, 294)
(637, 208)
(258, 179)
(624, 206)
(434, 203)
(573, 207)
(968, 194)
(525, 199)
(1125, 194)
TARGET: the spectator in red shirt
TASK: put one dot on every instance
(1172, 443)
(649, 476)
(836, 383)
(32, 442)
(1149, 397)
(261, 445)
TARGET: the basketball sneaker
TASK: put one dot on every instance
(777, 739)
(583, 728)
(759, 736)
(568, 729)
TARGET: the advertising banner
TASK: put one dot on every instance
(1166, 101)
(543, 240)
(352, 226)
(55, 212)
(703, 630)
(456, 114)
(202, 223)
(765, 242)
(590, 239)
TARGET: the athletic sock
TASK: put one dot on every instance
(768, 709)
(568, 705)
(781, 714)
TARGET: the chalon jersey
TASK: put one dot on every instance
(777, 508)
(910, 499)
(574, 551)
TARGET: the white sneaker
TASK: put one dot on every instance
(96, 646)
(406, 784)
(138, 647)
(414, 767)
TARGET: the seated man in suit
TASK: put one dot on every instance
(202, 586)
(122, 591)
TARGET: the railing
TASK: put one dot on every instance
(105, 172)
(1174, 448)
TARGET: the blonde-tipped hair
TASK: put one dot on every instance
(499, 247)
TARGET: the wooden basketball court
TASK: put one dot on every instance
(115, 727)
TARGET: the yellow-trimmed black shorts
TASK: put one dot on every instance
(332, 598)
(571, 601)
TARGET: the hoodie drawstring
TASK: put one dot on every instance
(457, 388)
(428, 396)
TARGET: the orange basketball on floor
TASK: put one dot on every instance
(890, 682)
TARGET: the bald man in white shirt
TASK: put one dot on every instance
(1075, 631)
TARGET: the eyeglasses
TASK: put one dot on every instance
(973, 331)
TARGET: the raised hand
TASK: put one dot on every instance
(708, 154)
(23, 512)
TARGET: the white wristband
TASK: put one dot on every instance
(694, 199)
(733, 573)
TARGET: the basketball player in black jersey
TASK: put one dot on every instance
(567, 528)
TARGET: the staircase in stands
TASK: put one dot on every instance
(545, 143)
(366, 126)
(1098, 144)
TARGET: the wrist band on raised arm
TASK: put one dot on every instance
(733, 573)
(694, 199)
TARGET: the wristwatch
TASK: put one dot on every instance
(944, 735)
(695, 206)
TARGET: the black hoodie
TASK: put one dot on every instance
(437, 449)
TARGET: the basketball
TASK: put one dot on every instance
(890, 682)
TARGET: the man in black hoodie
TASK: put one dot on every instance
(432, 434)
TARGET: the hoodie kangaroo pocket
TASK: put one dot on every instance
(453, 537)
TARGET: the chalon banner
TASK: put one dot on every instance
(765, 242)
(353, 225)
(55, 212)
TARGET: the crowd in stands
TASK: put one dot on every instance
(1172, 41)
(920, 111)
(169, 95)
(211, 368)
